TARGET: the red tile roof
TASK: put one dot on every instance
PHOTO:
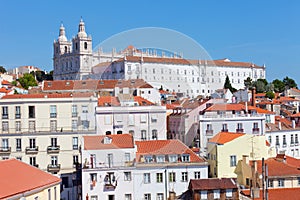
(143, 102)
(180, 61)
(54, 95)
(277, 193)
(224, 137)
(212, 184)
(17, 177)
(165, 147)
(226, 107)
(4, 90)
(117, 141)
(108, 101)
(278, 168)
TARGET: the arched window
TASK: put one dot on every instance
(119, 132)
(76, 46)
(108, 133)
(66, 49)
(85, 45)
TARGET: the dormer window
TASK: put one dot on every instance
(148, 159)
(160, 158)
(185, 157)
(173, 158)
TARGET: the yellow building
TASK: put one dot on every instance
(19, 180)
(226, 148)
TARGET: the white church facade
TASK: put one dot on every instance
(75, 60)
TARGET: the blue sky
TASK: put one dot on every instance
(262, 32)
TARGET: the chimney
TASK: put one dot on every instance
(293, 124)
(279, 125)
(253, 96)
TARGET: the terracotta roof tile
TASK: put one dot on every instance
(224, 137)
(228, 107)
(143, 102)
(117, 141)
(212, 184)
(108, 101)
(165, 147)
(54, 95)
(17, 177)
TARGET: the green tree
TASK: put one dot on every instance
(248, 83)
(27, 80)
(289, 83)
(41, 75)
(270, 95)
(227, 85)
(260, 85)
(2, 70)
(14, 83)
(278, 85)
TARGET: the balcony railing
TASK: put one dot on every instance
(53, 168)
(18, 116)
(209, 132)
(32, 150)
(224, 130)
(5, 150)
(53, 149)
(4, 116)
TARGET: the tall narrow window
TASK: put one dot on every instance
(53, 113)
(18, 126)
(18, 144)
(31, 126)
(232, 161)
(154, 134)
(172, 177)
(110, 160)
(4, 126)
(53, 125)
(4, 112)
(54, 161)
(143, 135)
(85, 45)
(5, 145)
(18, 112)
(53, 142)
(74, 111)
(84, 109)
(31, 112)
(75, 143)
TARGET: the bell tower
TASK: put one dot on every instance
(82, 51)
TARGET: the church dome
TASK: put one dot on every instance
(62, 34)
(81, 29)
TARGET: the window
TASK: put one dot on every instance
(203, 195)
(298, 180)
(280, 182)
(31, 126)
(270, 183)
(31, 111)
(296, 139)
(55, 194)
(74, 111)
(185, 158)
(239, 127)
(143, 118)
(172, 177)
(270, 139)
(216, 194)
(160, 196)
(184, 176)
(127, 157)
(94, 197)
(128, 197)
(5, 145)
(32, 161)
(153, 118)
(75, 159)
(18, 144)
(159, 177)
(232, 161)
(110, 160)
(53, 142)
(154, 134)
(292, 139)
(85, 45)
(53, 111)
(224, 128)
(160, 158)
(284, 141)
(147, 178)
(143, 135)
(119, 118)
(127, 176)
(75, 143)
(5, 126)
(197, 175)
(131, 120)
(49, 194)
(277, 140)
(148, 159)
(18, 112)
(93, 177)
(74, 125)
(85, 124)
(173, 158)
(84, 109)
(32, 144)
(147, 196)
(18, 126)
(53, 125)
(54, 161)
(4, 112)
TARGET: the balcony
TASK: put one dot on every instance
(53, 168)
(209, 132)
(32, 150)
(240, 130)
(224, 130)
(18, 116)
(5, 150)
(255, 130)
(53, 149)
(4, 116)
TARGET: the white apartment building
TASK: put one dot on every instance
(137, 116)
(231, 118)
(76, 60)
(45, 130)
(116, 167)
